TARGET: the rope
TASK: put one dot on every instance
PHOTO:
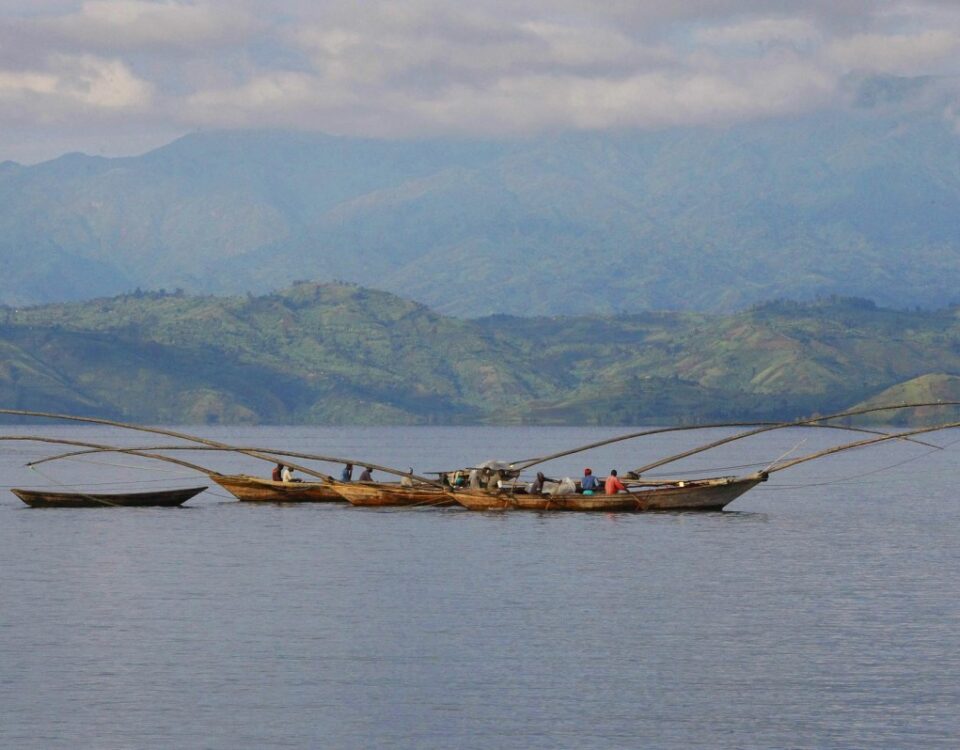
(121, 466)
(851, 479)
(81, 494)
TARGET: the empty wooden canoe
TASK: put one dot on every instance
(156, 498)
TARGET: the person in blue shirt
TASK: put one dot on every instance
(347, 474)
(589, 483)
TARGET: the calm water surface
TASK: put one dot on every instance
(819, 611)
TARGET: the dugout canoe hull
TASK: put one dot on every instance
(384, 494)
(154, 499)
(254, 489)
(702, 495)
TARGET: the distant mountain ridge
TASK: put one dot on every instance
(342, 354)
(864, 203)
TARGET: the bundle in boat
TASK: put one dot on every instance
(156, 498)
(381, 494)
(255, 489)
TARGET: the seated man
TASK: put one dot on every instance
(366, 475)
(589, 483)
(613, 484)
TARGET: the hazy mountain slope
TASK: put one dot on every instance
(924, 389)
(312, 353)
(343, 354)
(864, 202)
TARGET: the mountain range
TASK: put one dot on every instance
(342, 354)
(862, 202)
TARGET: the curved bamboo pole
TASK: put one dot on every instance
(154, 430)
(812, 421)
(274, 452)
(98, 447)
(860, 444)
(527, 463)
(216, 444)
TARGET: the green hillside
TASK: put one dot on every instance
(338, 353)
(924, 389)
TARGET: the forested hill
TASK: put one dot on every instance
(863, 202)
(336, 353)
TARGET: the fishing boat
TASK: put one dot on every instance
(696, 494)
(254, 489)
(156, 498)
(482, 499)
(382, 494)
(504, 490)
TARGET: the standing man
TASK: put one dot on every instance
(347, 474)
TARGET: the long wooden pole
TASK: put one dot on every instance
(799, 423)
(97, 447)
(860, 444)
(276, 453)
(216, 444)
(527, 463)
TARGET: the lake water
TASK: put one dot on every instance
(820, 610)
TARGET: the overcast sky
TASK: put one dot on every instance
(122, 76)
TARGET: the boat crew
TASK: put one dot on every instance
(589, 484)
(277, 475)
(536, 487)
(286, 476)
(366, 475)
(613, 484)
(347, 474)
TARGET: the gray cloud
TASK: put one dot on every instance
(407, 67)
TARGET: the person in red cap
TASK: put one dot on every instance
(614, 485)
(589, 483)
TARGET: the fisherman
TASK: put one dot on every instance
(613, 484)
(366, 475)
(286, 475)
(589, 484)
(536, 488)
(277, 474)
(347, 474)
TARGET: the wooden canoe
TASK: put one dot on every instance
(696, 494)
(156, 498)
(382, 494)
(482, 499)
(255, 489)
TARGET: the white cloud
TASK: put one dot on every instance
(29, 82)
(402, 67)
(140, 24)
(72, 83)
(899, 54)
(763, 32)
